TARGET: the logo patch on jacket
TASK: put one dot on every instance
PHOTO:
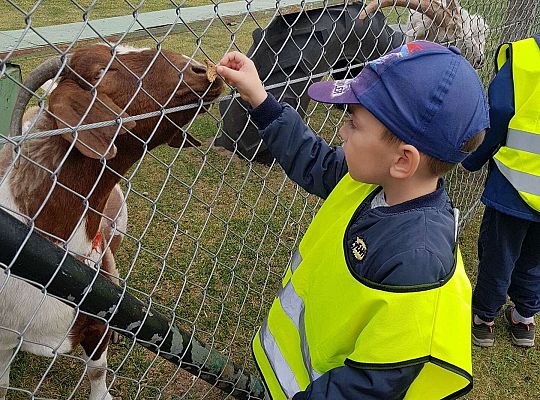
(359, 248)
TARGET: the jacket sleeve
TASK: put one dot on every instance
(305, 157)
(501, 110)
(349, 383)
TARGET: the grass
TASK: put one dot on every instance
(13, 13)
(209, 236)
(504, 371)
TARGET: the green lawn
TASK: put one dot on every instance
(55, 12)
(209, 236)
(504, 371)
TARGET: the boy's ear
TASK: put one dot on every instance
(406, 161)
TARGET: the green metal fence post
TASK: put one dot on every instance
(28, 255)
(8, 95)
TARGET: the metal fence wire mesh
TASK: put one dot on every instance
(135, 165)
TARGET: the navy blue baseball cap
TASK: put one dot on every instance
(427, 95)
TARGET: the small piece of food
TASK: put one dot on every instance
(211, 73)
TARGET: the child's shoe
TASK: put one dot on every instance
(522, 334)
(482, 334)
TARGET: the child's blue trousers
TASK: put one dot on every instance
(509, 254)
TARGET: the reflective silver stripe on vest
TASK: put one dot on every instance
(522, 181)
(522, 140)
(279, 365)
(296, 260)
(293, 306)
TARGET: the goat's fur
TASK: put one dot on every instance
(470, 39)
(442, 21)
(68, 185)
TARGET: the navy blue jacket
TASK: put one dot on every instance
(407, 244)
(498, 192)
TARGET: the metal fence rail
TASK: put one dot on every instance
(149, 205)
(115, 307)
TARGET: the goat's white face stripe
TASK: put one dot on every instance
(194, 62)
(124, 49)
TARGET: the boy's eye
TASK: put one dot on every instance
(350, 122)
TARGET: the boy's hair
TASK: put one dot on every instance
(437, 167)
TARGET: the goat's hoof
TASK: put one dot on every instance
(115, 339)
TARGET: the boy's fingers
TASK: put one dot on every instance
(225, 60)
(230, 75)
(234, 58)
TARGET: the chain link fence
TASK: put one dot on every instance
(136, 196)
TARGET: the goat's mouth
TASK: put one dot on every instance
(207, 94)
(214, 90)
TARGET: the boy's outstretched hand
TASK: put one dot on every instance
(239, 71)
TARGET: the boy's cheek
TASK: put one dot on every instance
(342, 133)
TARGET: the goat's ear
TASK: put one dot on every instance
(69, 103)
(179, 140)
(90, 64)
(99, 72)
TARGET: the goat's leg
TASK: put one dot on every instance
(5, 364)
(115, 217)
(113, 227)
(95, 350)
(109, 265)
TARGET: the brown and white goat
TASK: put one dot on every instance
(67, 183)
(442, 21)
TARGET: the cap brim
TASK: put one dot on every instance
(333, 92)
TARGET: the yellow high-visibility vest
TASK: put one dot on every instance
(519, 159)
(324, 317)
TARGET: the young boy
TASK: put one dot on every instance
(509, 255)
(375, 303)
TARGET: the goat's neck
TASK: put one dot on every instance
(59, 192)
(131, 149)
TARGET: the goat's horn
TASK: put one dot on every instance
(434, 9)
(45, 71)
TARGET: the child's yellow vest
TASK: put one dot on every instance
(324, 317)
(519, 159)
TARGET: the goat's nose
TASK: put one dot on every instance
(198, 69)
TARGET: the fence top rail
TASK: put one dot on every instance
(23, 41)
